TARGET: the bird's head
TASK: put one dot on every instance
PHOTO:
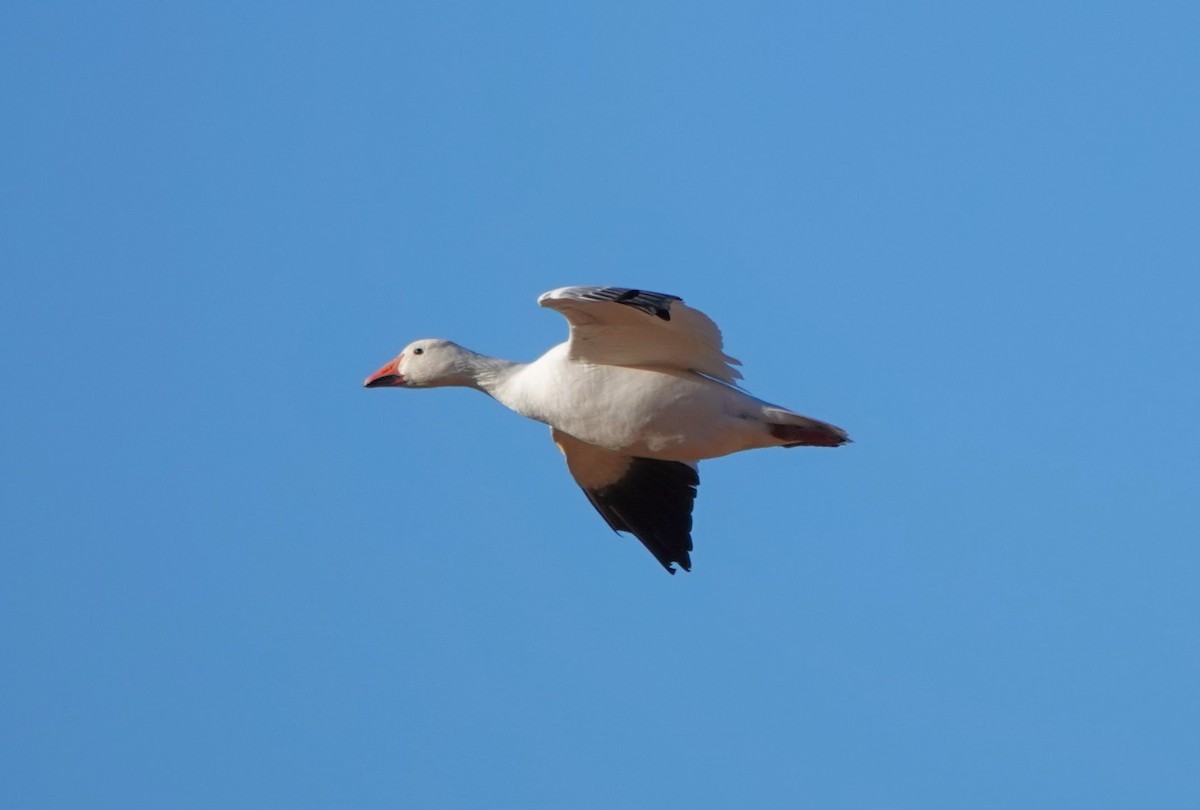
(426, 363)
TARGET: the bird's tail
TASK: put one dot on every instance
(794, 430)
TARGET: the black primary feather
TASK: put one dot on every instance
(651, 303)
(653, 502)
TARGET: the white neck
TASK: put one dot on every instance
(487, 374)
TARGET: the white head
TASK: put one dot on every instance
(426, 364)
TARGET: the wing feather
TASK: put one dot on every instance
(623, 327)
(649, 498)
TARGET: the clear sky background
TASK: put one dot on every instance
(968, 233)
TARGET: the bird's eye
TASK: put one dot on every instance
(418, 351)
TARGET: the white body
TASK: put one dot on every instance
(652, 413)
(640, 392)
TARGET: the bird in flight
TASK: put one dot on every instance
(639, 393)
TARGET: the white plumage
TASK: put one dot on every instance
(639, 393)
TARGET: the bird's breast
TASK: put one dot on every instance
(652, 413)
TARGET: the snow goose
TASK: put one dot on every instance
(637, 395)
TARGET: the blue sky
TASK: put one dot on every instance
(233, 578)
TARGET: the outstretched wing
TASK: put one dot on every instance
(649, 498)
(619, 327)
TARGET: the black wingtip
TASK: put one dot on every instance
(652, 303)
(653, 502)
